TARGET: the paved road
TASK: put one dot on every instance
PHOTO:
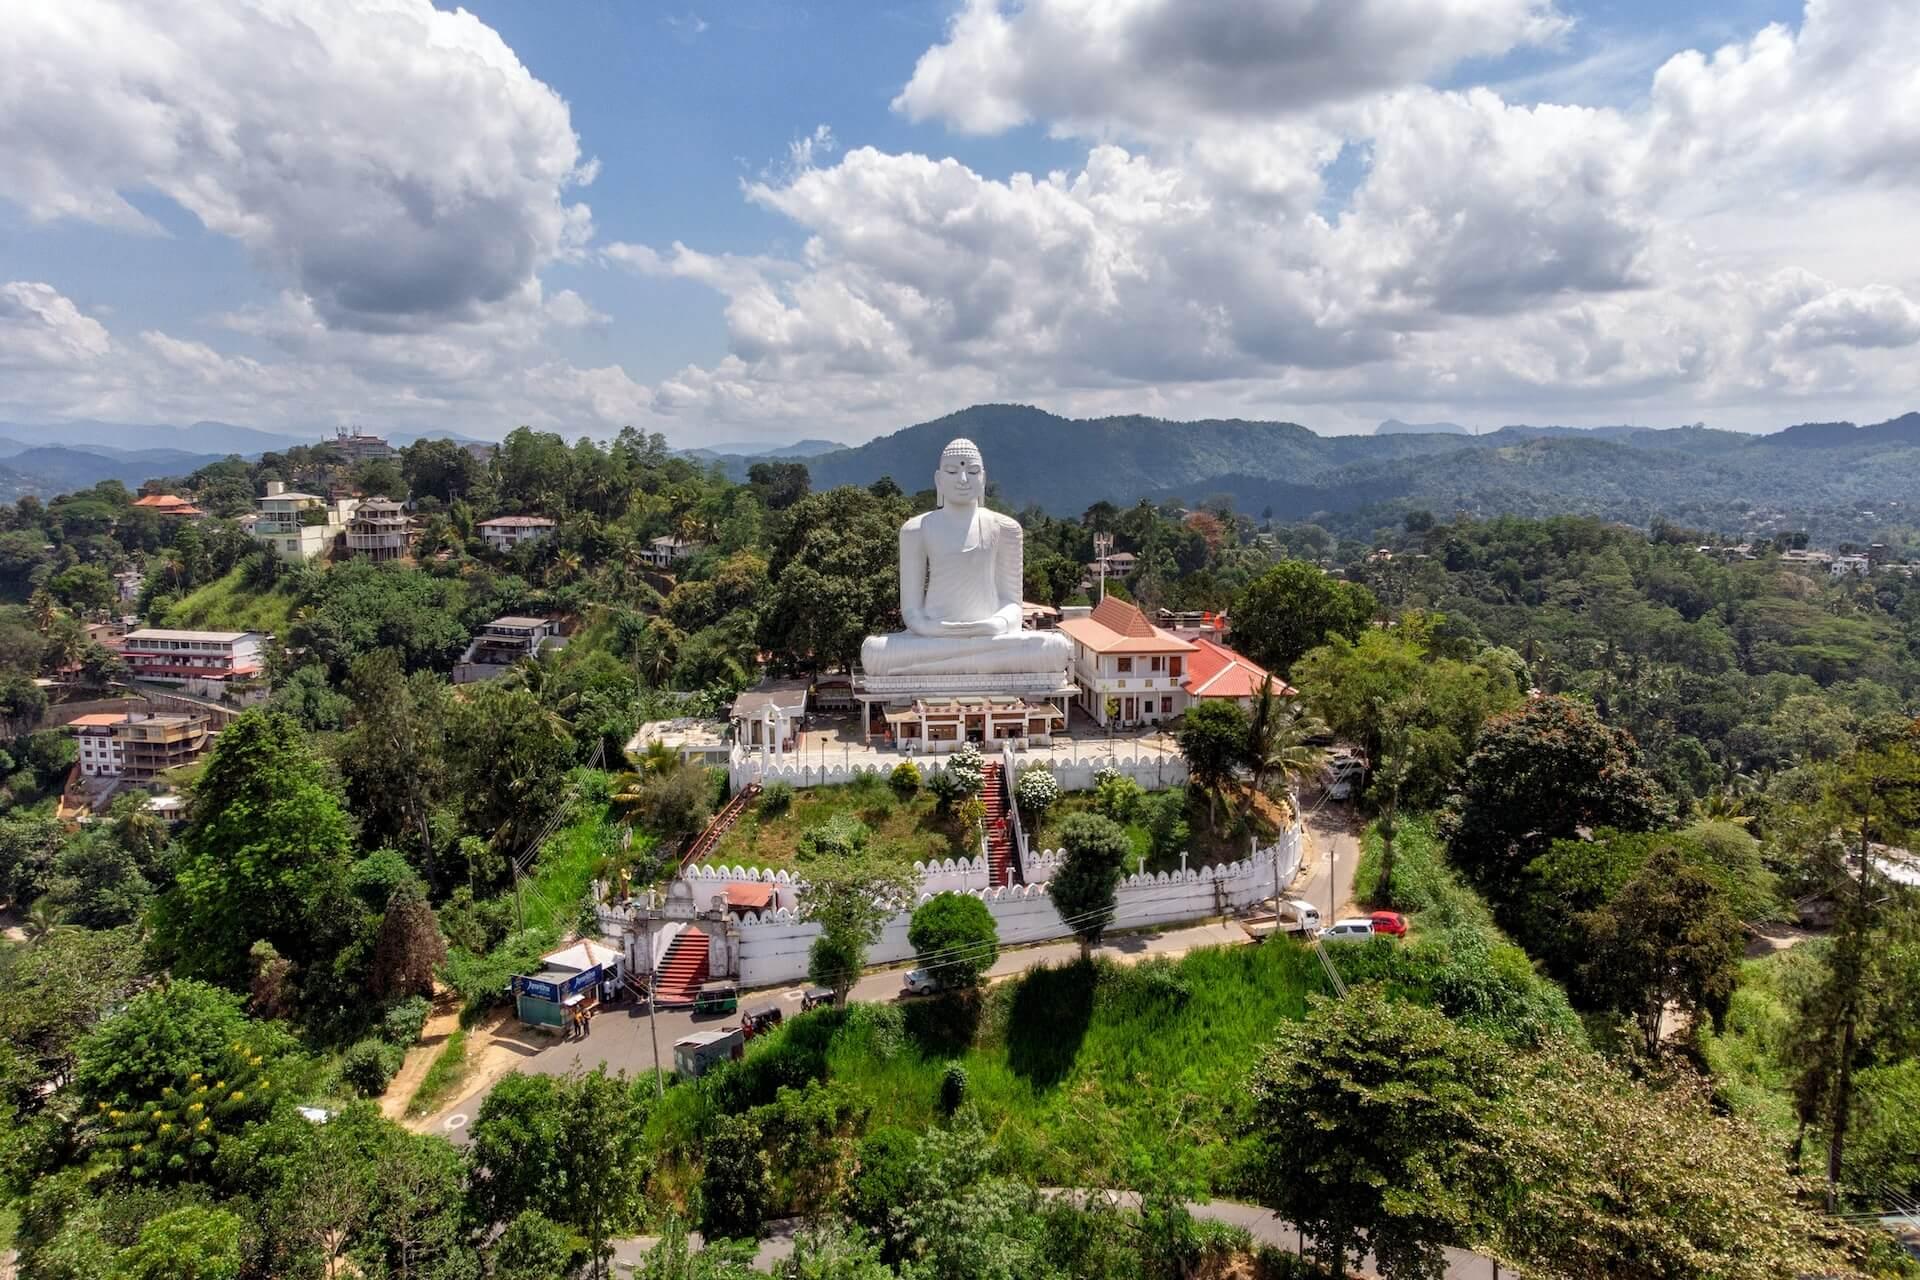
(620, 1037)
(1333, 842)
(1264, 1227)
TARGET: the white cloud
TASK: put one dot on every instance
(1551, 258)
(394, 162)
(1167, 67)
(40, 327)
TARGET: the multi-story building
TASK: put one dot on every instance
(361, 448)
(504, 533)
(203, 658)
(664, 553)
(379, 530)
(503, 642)
(1127, 670)
(138, 745)
(300, 526)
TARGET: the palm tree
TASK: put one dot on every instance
(42, 921)
(1277, 737)
(41, 609)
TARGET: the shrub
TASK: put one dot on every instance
(885, 1178)
(736, 1184)
(1119, 797)
(955, 931)
(905, 778)
(404, 1021)
(368, 1065)
(1037, 791)
(968, 768)
(841, 835)
(953, 1088)
(1165, 816)
(945, 789)
(776, 799)
(1105, 773)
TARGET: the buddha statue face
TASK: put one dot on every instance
(962, 477)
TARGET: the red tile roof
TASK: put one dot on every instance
(1117, 626)
(1215, 671)
(749, 897)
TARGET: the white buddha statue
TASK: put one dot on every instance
(960, 578)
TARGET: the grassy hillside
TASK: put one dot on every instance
(230, 605)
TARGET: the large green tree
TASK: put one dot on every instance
(1367, 1120)
(1541, 774)
(265, 856)
(1294, 607)
(1213, 737)
(836, 576)
(1085, 884)
(1666, 940)
(394, 758)
(851, 894)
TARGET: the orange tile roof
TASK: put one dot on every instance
(97, 720)
(1117, 626)
(1216, 671)
(749, 897)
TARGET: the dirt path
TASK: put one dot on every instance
(495, 1047)
(441, 1023)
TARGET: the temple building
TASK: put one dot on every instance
(1125, 669)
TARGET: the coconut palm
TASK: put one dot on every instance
(41, 921)
(1278, 731)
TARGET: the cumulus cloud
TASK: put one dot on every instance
(1160, 66)
(40, 327)
(394, 162)
(1487, 253)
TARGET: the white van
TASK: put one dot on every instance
(1355, 929)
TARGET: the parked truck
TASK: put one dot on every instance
(1295, 915)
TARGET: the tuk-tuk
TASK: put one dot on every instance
(717, 997)
(815, 998)
(760, 1020)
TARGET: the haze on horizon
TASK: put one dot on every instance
(746, 223)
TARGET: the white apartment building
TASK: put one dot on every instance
(101, 754)
(1120, 658)
(300, 526)
(205, 659)
(504, 533)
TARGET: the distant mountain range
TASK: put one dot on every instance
(757, 450)
(1719, 479)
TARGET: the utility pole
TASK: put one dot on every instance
(1102, 548)
(653, 987)
(519, 902)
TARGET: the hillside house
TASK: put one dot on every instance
(138, 745)
(1119, 656)
(664, 553)
(1853, 565)
(503, 642)
(695, 741)
(169, 504)
(362, 448)
(504, 533)
(203, 661)
(300, 526)
(380, 530)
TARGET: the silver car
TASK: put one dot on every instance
(920, 982)
(1353, 929)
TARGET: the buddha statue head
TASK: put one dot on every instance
(962, 475)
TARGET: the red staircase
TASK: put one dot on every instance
(683, 970)
(721, 824)
(1000, 860)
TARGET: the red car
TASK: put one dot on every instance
(1389, 922)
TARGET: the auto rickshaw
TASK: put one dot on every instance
(717, 997)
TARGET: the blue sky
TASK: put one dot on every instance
(811, 220)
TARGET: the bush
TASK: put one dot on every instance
(736, 1185)
(1037, 791)
(368, 1065)
(905, 778)
(953, 1088)
(955, 932)
(1165, 816)
(839, 836)
(885, 1179)
(404, 1021)
(945, 789)
(776, 799)
(1119, 797)
(968, 768)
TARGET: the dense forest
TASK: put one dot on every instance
(1602, 761)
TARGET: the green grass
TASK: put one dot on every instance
(1204, 847)
(448, 1070)
(1073, 1068)
(228, 604)
(910, 826)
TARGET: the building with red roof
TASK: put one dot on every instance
(169, 504)
(1215, 671)
(1127, 669)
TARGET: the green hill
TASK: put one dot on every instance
(1845, 475)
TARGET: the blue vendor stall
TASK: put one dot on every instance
(569, 981)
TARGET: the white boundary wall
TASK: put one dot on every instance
(1152, 770)
(773, 948)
